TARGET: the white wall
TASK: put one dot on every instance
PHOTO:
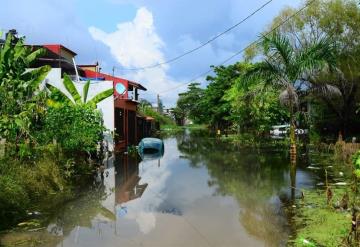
(106, 106)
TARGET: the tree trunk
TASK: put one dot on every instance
(292, 136)
(293, 181)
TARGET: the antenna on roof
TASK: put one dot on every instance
(76, 70)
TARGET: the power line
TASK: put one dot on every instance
(201, 45)
(242, 50)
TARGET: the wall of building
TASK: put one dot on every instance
(106, 107)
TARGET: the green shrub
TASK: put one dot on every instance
(13, 201)
(30, 186)
(77, 128)
(160, 118)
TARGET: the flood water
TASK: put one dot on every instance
(202, 192)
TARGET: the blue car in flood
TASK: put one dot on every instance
(151, 148)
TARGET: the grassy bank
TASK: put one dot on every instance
(321, 218)
(174, 127)
(320, 223)
(35, 186)
(253, 141)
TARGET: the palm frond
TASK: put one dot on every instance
(36, 76)
(6, 49)
(86, 90)
(326, 90)
(70, 87)
(278, 47)
(57, 96)
(99, 97)
(317, 56)
(20, 50)
(34, 55)
(266, 71)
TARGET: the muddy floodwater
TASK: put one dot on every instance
(202, 192)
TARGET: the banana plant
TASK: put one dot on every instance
(21, 100)
(58, 98)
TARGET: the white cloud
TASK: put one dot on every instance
(137, 44)
(55, 22)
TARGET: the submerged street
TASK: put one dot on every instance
(202, 192)
(180, 124)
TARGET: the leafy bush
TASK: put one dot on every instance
(13, 201)
(22, 103)
(24, 186)
(160, 118)
(356, 162)
(77, 128)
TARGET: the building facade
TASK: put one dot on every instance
(125, 126)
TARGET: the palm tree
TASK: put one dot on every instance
(59, 97)
(287, 66)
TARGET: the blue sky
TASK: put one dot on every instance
(136, 33)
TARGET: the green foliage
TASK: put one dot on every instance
(216, 110)
(288, 67)
(232, 100)
(33, 170)
(23, 184)
(208, 106)
(81, 127)
(321, 225)
(13, 201)
(22, 105)
(254, 108)
(340, 20)
(356, 163)
(146, 110)
(189, 104)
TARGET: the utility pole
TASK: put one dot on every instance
(113, 71)
(158, 103)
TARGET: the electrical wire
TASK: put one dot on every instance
(242, 50)
(201, 45)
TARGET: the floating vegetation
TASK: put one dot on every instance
(321, 224)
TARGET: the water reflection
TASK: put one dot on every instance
(259, 180)
(127, 179)
(201, 192)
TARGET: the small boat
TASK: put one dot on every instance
(151, 148)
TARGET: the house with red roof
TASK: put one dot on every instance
(126, 127)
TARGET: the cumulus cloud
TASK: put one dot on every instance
(133, 44)
(136, 44)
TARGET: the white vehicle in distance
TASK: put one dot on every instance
(278, 130)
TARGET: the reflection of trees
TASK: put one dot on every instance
(83, 210)
(253, 177)
(77, 213)
(194, 145)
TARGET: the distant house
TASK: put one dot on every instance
(126, 127)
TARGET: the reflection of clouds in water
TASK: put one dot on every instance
(146, 222)
(142, 209)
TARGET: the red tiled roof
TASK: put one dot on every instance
(56, 48)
